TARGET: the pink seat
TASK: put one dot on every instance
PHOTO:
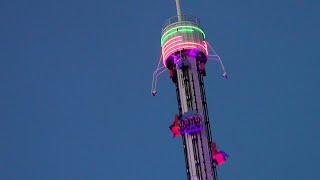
(219, 158)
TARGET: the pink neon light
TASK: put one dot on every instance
(171, 40)
(166, 46)
(169, 43)
(206, 47)
(188, 43)
(183, 45)
(171, 46)
(178, 48)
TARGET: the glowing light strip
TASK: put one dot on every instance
(176, 37)
(177, 29)
(176, 49)
(174, 32)
(168, 53)
(174, 46)
(169, 45)
(186, 43)
(206, 47)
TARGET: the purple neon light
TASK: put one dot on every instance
(190, 125)
(188, 131)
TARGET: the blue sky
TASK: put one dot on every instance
(75, 89)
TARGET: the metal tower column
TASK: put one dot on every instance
(196, 145)
(184, 53)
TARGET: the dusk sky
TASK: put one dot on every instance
(75, 80)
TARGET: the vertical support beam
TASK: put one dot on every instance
(196, 145)
(178, 10)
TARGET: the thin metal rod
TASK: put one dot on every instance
(178, 10)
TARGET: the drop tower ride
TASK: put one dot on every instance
(184, 54)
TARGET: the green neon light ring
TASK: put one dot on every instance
(174, 32)
(180, 28)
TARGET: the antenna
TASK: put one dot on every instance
(178, 9)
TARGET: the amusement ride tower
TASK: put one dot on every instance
(184, 54)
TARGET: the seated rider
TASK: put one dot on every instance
(218, 156)
(175, 129)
